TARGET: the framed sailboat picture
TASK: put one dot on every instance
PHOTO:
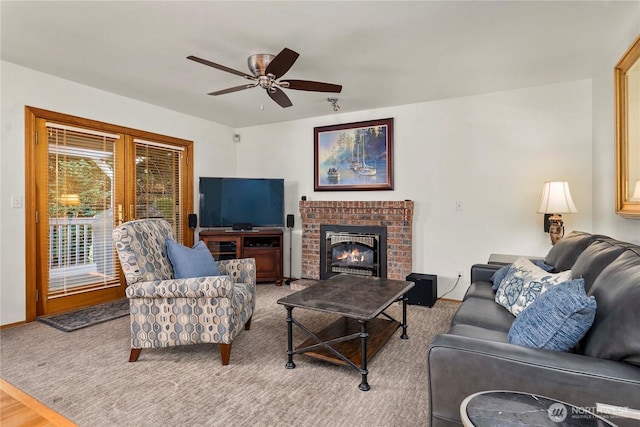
(354, 156)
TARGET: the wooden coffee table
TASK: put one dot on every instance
(359, 333)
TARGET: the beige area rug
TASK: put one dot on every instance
(85, 376)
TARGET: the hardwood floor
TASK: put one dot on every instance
(18, 409)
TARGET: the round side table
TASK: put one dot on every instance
(498, 408)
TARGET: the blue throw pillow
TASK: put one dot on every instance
(543, 265)
(557, 320)
(191, 262)
(500, 274)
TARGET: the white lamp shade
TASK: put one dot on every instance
(636, 191)
(556, 198)
(69, 199)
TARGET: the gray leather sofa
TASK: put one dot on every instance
(475, 355)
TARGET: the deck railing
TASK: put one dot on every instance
(80, 253)
(70, 242)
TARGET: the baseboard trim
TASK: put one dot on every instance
(12, 325)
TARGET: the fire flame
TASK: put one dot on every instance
(351, 256)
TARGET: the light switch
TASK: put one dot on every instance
(459, 205)
(16, 202)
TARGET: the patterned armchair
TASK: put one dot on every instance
(169, 312)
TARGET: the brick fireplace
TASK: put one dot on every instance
(396, 216)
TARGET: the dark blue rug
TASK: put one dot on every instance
(89, 316)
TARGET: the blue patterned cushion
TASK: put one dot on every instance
(500, 274)
(524, 283)
(557, 320)
(191, 262)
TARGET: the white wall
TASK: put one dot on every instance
(214, 153)
(605, 219)
(493, 152)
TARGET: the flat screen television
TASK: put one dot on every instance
(228, 201)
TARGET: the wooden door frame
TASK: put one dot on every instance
(33, 306)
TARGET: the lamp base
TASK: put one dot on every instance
(556, 228)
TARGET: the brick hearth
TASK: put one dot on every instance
(397, 216)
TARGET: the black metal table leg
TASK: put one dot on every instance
(364, 385)
(290, 364)
(404, 335)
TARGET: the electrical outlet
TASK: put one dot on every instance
(459, 273)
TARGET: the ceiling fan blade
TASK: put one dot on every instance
(313, 86)
(281, 63)
(231, 89)
(219, 67)
(280, 97)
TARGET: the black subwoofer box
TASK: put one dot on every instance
(425, 292)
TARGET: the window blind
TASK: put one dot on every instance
(158, 183)
(80, 195)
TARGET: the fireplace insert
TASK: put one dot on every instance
(353, 249)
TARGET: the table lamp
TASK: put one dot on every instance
(69, 199)
(556, 199)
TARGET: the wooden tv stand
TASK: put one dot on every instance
(265, 245)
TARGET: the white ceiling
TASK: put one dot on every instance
(383, 53)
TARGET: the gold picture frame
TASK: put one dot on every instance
(627, 119)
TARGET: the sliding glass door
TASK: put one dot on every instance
(88, 180)
(80, 178)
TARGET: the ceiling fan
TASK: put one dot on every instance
(267, 70)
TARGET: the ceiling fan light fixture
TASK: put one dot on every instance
(258, 63)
